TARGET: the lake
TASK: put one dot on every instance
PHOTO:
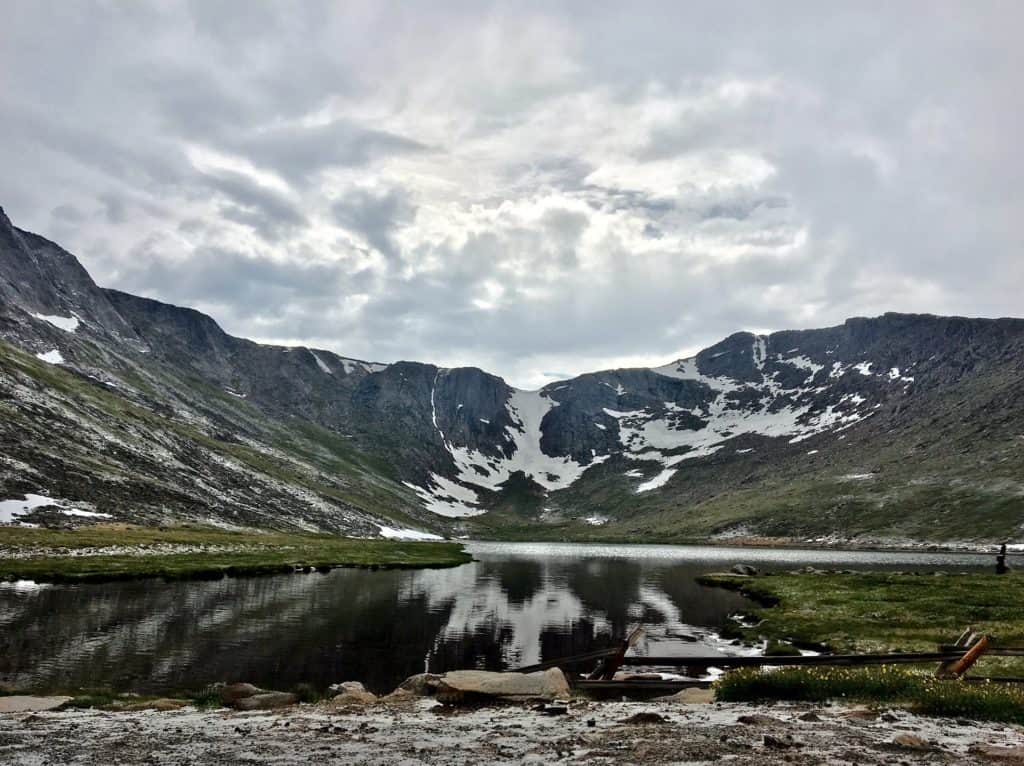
(517, 604)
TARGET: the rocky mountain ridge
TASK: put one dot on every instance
(151, 412)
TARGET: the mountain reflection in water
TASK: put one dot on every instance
(515, 605)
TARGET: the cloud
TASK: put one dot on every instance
(523, 188)
(375, 216)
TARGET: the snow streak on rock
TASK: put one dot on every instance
(526, 410)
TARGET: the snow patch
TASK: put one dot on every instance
(864, 368)
(658, 481)
(321, 363)
(393, 533)
(11, 510)
(67, 324)
(51, 357)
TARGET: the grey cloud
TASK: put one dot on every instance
(375, 216)
(298, 152)
(266, 210)
(895, 177)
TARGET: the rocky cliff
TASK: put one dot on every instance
(901, 426)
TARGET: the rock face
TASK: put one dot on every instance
(469, 686)
(151, 412)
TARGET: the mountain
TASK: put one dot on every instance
(892, 428)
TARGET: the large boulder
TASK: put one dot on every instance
(478, 686)
(266, 701)
(232, 693)
(351, 693)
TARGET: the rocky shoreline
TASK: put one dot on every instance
(417, 730)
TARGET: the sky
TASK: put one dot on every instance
(536, 189)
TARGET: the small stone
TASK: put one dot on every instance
(911, 742)
(781, 742)
(743, 569)
(757, 719)
(645, 719)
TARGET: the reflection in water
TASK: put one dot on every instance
(516, 605)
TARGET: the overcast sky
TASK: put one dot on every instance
(535, 189)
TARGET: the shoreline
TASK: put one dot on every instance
(424, 732)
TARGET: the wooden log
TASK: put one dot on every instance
(964, 664)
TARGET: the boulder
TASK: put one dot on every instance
(469, 686)
(351, 693)
(232, 693)
(743, 569)
(421, 684)
(27, 704)
(266, 701)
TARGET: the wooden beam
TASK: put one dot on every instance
(717, 661)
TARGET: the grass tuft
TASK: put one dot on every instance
(885, 685)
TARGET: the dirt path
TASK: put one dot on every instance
(423, 732)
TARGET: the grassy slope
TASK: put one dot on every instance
(302, 454)
(246, 553)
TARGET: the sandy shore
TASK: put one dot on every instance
(423, 732)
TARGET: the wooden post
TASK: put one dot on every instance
(976, 646)
(608, 667)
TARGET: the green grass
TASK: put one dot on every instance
(265, 553)
(882, 612)
(890, 685)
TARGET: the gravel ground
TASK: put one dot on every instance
(423, 732)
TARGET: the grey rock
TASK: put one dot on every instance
(266, 701)
(29, 704)
(743, 569)
(468, 686)
(232, 693)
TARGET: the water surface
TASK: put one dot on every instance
(518, 604)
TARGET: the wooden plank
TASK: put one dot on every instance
(718, 661)
(576, 659)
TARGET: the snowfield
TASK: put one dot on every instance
(766, 404)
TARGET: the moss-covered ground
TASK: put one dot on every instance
(122, 552)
